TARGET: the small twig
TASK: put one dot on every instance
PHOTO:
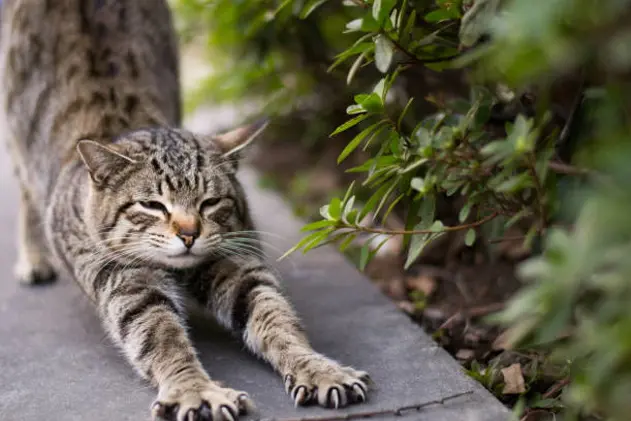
(413, 58)
(472, 312)
(556, 388)
(416, 232)
(510, 238)
(539, 190)
(561, 168)
(529, 413)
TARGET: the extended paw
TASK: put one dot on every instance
(204, 402)
(328, 383)
(32, 273)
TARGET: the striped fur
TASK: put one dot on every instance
(139, 213)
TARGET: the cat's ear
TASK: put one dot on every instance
(232, 142)
(102, 160)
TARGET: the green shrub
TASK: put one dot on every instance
(577, 303)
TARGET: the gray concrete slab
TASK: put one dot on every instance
(57, 364)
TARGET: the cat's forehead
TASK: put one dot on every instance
(180, 150)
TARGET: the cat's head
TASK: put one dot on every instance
(168, 196)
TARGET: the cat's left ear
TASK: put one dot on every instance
(230, 143)
(102, 160)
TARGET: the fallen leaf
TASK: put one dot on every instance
(407, 307)
(513, 380)
(465, 354)
(422, 283)
(501, 343)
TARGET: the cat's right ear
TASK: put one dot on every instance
(102, 160)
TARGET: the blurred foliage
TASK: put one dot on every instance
(515, 150)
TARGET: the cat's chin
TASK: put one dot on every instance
(182, 261)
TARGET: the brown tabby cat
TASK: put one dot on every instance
(139, 213)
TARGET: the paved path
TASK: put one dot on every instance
(57, 364)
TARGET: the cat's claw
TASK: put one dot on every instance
(211, 404)
(327, 383)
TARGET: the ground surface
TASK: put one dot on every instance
(57, 364)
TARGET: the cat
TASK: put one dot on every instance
(139, 212)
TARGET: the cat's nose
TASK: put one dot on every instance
(187, 230)
(188, 237)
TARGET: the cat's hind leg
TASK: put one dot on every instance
(33, 263)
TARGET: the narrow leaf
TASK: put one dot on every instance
(310, 7)
(384, 52)
(353, 144)
(351, 73)
(317, 225)
(404, 112)
(364, 255)
(350, 123)
(469, 238)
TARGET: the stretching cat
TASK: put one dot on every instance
(139, 213)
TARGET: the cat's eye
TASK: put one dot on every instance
(154, 206)
(210, 202)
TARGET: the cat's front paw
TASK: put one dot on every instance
(200, 402)
(34, 271)
(326, 382)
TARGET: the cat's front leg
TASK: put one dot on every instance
(246, 297)
(140, 310)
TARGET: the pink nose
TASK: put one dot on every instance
(187, 228)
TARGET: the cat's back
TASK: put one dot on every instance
(73, 69)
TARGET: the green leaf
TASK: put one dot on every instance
(372, 202)
(404, 112)
(418, 243)
(464, 212)
(380, 89)
(376, 10)
(358, 48)
(347, 241)
(304, 241)
(381, 9)
(317, 225)
(386, 195)
(437, 226)
(335, 208)
(355, 67)
(353, 144)
(324, 212)
(310, 7)
(354, 25)
(427, 209)
(440, 15)
(514, 184)
(418, 184)
(355, 109)
(349, 124)
(391, 207)
(384, 51)
(347, 195)
(399, 24)
(469, 238)
(364, 255)
(371, 102)
(319, 238)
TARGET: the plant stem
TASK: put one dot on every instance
(416, 232)
(539, 190)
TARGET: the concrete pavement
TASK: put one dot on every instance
(57, 364)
